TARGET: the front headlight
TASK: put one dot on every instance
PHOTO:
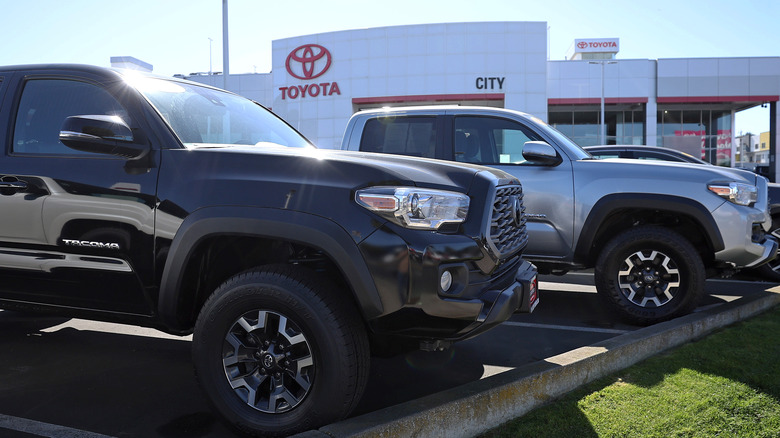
(414, 207)
(738, 193)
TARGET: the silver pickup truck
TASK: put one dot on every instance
(652, 231)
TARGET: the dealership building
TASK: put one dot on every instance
(318, 81)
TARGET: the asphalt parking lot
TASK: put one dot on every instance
(68, 378)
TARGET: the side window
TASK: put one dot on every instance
(489, 140)
(604, 155)
(45, 104)
(415, 136)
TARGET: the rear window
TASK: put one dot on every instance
(414, 136)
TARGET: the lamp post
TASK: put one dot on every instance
(225, 45)
(602, 125)
(210, 41)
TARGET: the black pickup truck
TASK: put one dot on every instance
(158, 202)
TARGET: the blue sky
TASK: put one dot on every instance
(173, 35)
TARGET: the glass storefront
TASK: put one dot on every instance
(699, 132)
(581, 123)
(704, 133)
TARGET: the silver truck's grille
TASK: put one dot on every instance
(507, 227)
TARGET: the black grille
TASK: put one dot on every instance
(507, 230)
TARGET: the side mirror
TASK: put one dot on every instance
(539, 152)
(101, 134)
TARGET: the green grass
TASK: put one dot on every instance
(724, 385)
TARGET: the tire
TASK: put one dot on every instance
(672, 276)
(771, 270)
(278, 352)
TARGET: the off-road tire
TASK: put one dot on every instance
(287, 337)
(650, 274)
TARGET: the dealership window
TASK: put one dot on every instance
(702, 133)
(585, 128)
(625, 124)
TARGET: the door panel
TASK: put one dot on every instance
(80, 233)
(548, 191)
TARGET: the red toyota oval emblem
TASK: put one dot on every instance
(308, 61)
(582, 44)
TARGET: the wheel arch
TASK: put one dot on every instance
(181, 296)
(617, 212)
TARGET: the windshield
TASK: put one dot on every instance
(202, 116)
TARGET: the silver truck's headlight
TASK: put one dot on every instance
(738, 193)
(414, 207)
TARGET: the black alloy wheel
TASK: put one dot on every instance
(649, 279)
(268, 361)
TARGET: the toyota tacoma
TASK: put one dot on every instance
(651, 231)
(163, 203)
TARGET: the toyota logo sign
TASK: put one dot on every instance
(600, 45)
(308, 61)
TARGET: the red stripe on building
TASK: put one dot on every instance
(595, 100)
(427, 98)
(716, 99)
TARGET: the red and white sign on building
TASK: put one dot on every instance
(597, 45)
(308, 62)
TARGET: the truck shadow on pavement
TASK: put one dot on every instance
(108, 383)
(564, 321)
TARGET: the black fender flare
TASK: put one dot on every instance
(308, 229)
(647, 201)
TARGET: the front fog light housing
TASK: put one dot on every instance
(445, 282)
(412, 207)
(737, 193)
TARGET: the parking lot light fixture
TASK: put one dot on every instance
(602, 124)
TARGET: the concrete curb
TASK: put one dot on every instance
(476, 407)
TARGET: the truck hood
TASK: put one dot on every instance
(313, 181)
(689, 181)
(672, 170)
(353, 169)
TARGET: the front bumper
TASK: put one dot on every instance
(770, 246)
(497, 306)
(408, 273)
(743, 231)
